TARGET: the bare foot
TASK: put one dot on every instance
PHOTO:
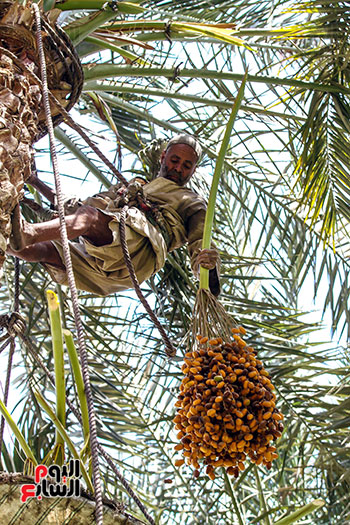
(32, 179)
(23, 232)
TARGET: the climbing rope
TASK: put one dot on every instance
(5, 345)
(71, 280)
(11, 323)
(170, 350)
(76, 413)
(7, 387)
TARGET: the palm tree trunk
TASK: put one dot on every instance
(22, 119)
(19, 108)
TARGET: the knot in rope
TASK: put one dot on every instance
(132, 195)
(129, 194)
(14, 324)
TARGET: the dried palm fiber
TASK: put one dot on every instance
(226, 407)
(22, 117)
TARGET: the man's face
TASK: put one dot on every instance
(178, 163)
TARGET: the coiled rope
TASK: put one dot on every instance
(71, 280)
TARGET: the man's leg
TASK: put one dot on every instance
(86, 221)
(43, 252)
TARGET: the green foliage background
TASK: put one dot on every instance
(282, 226)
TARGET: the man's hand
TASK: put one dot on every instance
(207, 258)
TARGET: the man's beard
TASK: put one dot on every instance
(170, 174)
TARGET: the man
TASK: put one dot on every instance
(97, 257)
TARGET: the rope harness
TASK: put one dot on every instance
(132, 195)
(127, 197)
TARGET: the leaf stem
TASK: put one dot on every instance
(233, 498)
(209, 216)
(57, 346)
(301, 512)
(18, 434)
(64, 436)
(78, 378)
(103, 71)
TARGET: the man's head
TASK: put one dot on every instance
(180, 158)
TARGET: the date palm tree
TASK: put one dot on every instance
(282, 225)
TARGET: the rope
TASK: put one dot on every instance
(170, 350)
(92, 145)
(6, 343)
(76, 413)
(16, 279)
(71, 280)
(126, 485)
(7, 388)
(11, 340)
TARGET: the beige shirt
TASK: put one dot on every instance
(101, 269)
(183, 210)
